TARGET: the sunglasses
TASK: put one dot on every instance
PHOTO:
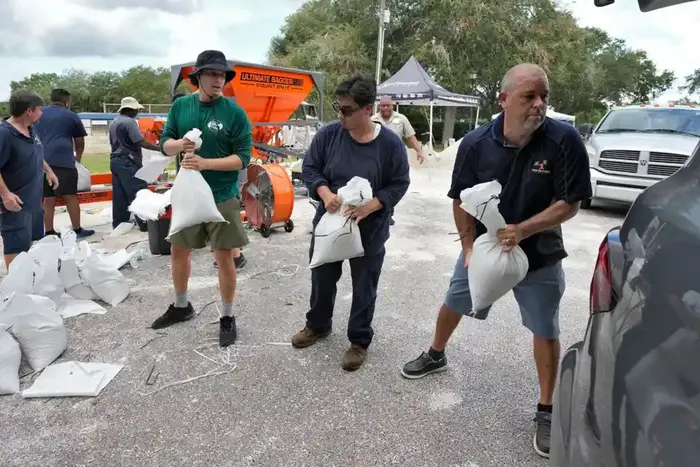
(346, 111)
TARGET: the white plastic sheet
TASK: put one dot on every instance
(154, 163)
(84, 177)
(70, 307)
(36, 325)
(149, 205)
(337, 238)
(10, 357)
(492, 271)
(192, 199)
(73, 379)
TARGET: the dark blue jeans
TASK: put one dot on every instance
(124, 188)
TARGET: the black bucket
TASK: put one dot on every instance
(157, 231)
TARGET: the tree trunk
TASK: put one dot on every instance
(448, 128)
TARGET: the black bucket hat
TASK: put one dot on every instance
(212, 60)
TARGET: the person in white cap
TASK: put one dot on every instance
(126, 141)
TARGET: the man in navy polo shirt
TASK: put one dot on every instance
(62, 132)
(22, 169)
(542, 165)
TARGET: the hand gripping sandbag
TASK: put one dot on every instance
(10, 357)
(337, 238)
(492, 271)
(191, 200)
(37, 326)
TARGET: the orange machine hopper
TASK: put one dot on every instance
(267, 94)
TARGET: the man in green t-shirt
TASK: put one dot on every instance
(226, 147)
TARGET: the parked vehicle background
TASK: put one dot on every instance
(634, 147)
(629, 393)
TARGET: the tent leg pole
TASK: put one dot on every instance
(430, 144)
(476, 120)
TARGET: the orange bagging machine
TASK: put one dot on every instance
(269, 96)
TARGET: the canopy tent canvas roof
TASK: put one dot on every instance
(551, 113)
(412, 85)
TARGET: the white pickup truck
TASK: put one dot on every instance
(633, 147)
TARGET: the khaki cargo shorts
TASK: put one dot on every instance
(220, 235)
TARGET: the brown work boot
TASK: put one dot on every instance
(307, 337)
(354, 357)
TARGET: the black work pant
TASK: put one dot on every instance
(124, 188)
(365, 273)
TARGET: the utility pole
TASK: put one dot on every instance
(383, 19)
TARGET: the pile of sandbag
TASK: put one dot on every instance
(54, 266)
(29, 326)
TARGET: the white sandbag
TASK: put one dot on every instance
(492, 271)
(10, 357)
(75, 284)
(36, 271)
(154, 164)
(70, 307)
(104, 279)
(73, 379)
(84, 177)
(37, 327)
(192, 199)
(337, 238)
(149, 205)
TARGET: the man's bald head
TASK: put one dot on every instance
(519, 72)
(524, 96)
(386, 100)
(386, 106)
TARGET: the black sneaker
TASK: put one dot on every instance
(423, 366)
(227, 331)
(83, 233)
(239, 262)
(50, 233)
(174, 315)
(542, 433)
(391, 221)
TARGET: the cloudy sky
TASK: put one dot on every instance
(52, 35)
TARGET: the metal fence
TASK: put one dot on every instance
(150, 108)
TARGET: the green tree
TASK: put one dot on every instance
(692, 83)
(468, 45)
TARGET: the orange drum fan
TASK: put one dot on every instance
(268, 198)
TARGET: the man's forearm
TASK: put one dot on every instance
(413, 142)
(464, 223)
(172, 147)
(323, 191)
(554, 215)
(3, 188)
(47, 169)
(148, 145)
(225, 164)
(79, 148)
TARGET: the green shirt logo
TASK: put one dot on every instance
(215, 125)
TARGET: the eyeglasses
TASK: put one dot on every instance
(346, 111)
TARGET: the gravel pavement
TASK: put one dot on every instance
(277, 406)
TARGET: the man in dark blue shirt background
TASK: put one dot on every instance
(543, 168)
(62, 132)
(22, 169)
(354, 146)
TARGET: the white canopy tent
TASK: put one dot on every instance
(412, 85)
(551, 113)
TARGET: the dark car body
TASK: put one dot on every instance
(629, 393)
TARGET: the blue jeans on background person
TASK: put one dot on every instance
(124, 188)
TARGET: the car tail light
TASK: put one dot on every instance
(602, 295)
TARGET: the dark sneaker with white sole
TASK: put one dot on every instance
(227, 331)
(239, 262)
(542, 433)
(174, 315)
(423, 366)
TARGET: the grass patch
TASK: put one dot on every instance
(99, 163)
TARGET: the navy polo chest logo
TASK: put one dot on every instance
(541, 167)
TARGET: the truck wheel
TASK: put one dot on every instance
(586, 204)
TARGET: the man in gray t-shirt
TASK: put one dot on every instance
(126, 141)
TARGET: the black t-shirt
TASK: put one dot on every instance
(553, 166)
